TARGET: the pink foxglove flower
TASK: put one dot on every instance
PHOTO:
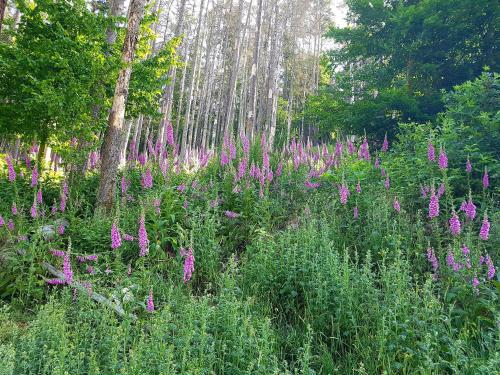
(64, 196)
(385, 144)
(441, 190)
(344, 193)
(433, 205)
(150, 304)
(484, 233)
(356, 212)
(10, 225)
(470, 210)
(34, 176)
(377, 163)
(358, 187)
(455, 227)
(170, 134)
(68, 272)
(128, 237)
(387, 183)
(2, 221)
(486, 179)
(60, 229)
(14, 208)
(10, 167)
(188, 265)
(39, 197)
(116, 240)
(443, 160)
(465, 250)
(143, 237)
(224, 159)
(468, 166)
(431, 152)
(396, 205)
(147, 179)
(491, 267)
(431, 257)
(231, 214)
(33, 210)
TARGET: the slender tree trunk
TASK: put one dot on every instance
(3, 7)
(252, 106)
(110, 152)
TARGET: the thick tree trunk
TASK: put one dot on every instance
(110, 152)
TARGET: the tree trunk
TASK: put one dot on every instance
(252, 99)
(3, 6)
(110, 152)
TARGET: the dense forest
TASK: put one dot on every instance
(249, 187)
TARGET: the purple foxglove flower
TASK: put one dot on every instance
(10, 225)
(142, 159)
(475, 284)
(92, 258)
(245, 143)
(2, 221)
(491, 267)
(181, 188)
(279, 169)
(470, 210)
(484, 233)
(385, 144)
(55, 281)
(431, 257)
(242, 168)
(58, 253)
(231, 214)
(14, 208)
(455, 227)
(143, 237)
(147, 179)
(156, 205)
(311, 185)
(34, 176)
(188, 265)
(486, 179)
(64, 196)
(443, 160)
(10, 167)
(350, 148)
(441, 190)
(377, 163)
(232, 151)
(68, 272)
(424, 190)
(150, 304)
(128, 237)
(433, 205)
(90, 270)
(465, 250)
(116, 240)
(431, 152)
(344, 193)
(468, 166)
(358, 187)
(387, 183)
(170, 134)
(396, 205)
(33, 210)
(224, 160)
(60, 229)
(39, 197)
(356, 212)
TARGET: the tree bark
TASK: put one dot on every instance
(110, 152)
(3, 6)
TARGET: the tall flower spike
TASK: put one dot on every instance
(10, 167)
(396, 205)
(68, 272)
(468, 166)
(486, 179)
(484, 233)
(470, 209)
(2, 221)
(143, 237)
(433, 205)
(14, 208)
(385, 144)
(147, 179)
(387, 183)
(455, 227)
(344, 193)
(356, 212)
(188, 265)
(116, 240)
(431, 152)
(34, 176)
(443, 160)
(150, 305)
